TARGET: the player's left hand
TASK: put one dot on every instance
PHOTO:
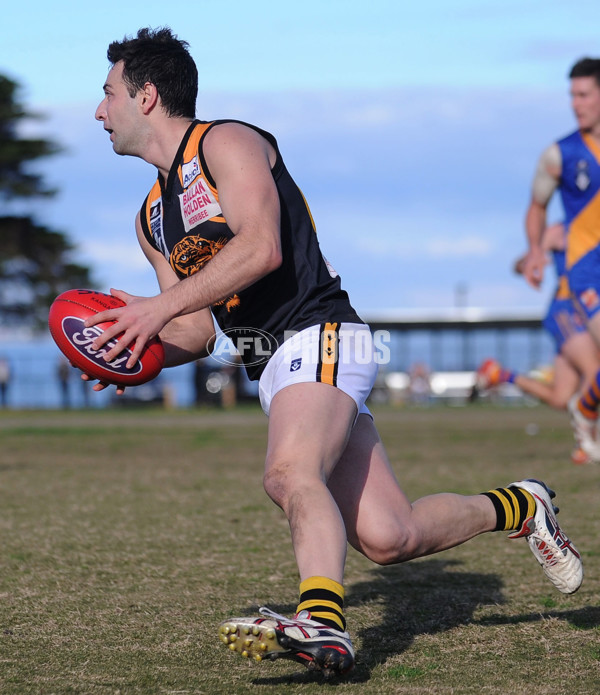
(534, 263)
(138, 321)
(101, 385)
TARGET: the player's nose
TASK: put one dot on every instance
(100, 114)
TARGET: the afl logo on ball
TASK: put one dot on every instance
(81, 338)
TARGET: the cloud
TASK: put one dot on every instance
(125, 255)
(464, 247)
(508, 296)
(413, 190)
(421, 246)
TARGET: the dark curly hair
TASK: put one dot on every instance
(159, 57)
(586, 67)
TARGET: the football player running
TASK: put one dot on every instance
(230, 235)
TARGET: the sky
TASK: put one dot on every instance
(413, 129)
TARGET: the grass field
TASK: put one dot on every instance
(128, 536)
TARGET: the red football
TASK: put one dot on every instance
(67, 314)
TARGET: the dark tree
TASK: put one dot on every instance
(36, 263)
(35, 267)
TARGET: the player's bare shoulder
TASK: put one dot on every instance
(551, 160)
(547, 174)
(236, 140)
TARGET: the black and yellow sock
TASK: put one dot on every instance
(324, 599)
(513, 505)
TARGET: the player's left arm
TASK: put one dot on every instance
(240, 161)
(554, 238)
(545, 182)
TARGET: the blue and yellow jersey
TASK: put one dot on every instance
(182, 218)
(562, 319)
(580, 193)
(559, 259)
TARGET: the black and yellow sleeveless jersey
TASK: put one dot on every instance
(183, 220)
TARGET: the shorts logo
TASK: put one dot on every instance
(296, 364)
(590, 299)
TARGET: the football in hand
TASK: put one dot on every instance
(66, 321)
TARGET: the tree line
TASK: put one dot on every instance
(36, 262)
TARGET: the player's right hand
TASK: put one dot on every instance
(534, 264)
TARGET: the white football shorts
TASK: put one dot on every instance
(338, 354)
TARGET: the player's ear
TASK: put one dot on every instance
(149, 97)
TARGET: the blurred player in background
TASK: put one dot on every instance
(228, 231)
(5, 378)
(577, 359)
(572, 165)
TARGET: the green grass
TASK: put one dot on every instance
(127, 536)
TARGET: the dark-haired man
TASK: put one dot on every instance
(572, 165)
(230, 235)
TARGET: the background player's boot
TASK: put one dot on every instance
(584, 430)
(488, 374)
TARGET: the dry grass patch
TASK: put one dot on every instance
(128, 536)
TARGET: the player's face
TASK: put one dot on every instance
(119, 113)
(585, 100)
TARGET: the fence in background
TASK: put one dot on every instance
(453, 342)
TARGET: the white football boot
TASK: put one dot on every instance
(556, 554)
(300, 638)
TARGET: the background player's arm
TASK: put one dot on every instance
(552, 240)
(554, 237)
(545, 182)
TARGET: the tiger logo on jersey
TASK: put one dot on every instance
(191, 253)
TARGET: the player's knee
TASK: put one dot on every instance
(278, 483)
(391, 546)
(558, 402)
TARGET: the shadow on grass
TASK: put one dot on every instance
(583, 618)
(421, 597)
(417, 598)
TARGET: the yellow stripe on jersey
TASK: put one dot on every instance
(584, 231)
(563, 291)
(592, 145)
(312, 221)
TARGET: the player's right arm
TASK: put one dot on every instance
(185, 338)
(545, 182)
